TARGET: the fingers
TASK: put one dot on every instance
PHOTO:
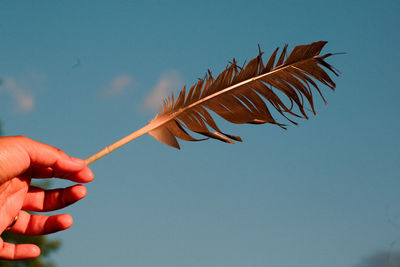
(83, 176)
(28, 224)
(18, 252)
(47, 156)
(19, 154)
(38, 199)
(52, 162)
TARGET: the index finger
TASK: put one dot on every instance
(83, 176)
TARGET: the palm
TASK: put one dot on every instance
(16, 190)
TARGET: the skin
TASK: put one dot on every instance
(22, 159)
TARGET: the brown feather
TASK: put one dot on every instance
(237, 95)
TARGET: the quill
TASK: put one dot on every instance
(240, 95)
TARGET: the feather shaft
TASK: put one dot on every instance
(235, 96)
(125, 140)
(157, 123)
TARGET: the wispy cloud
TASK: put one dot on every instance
(168, 82)
(118, 85)
(24, 100)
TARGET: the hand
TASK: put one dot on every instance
(22, 159)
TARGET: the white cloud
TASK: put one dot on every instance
(118, 84)
(24, 101)
(168, 82)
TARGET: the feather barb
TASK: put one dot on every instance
(240, 95)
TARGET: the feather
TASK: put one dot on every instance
(240, 95)
(236, 95)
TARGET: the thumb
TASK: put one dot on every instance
(18, 153)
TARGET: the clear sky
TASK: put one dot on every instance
(81, 74)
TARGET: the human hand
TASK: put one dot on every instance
(22, 159)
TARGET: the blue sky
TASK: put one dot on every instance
(81, 74)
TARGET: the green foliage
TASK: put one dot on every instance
(46, 245)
